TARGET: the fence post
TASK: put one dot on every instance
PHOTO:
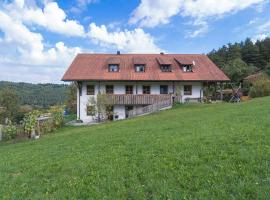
(1, 133)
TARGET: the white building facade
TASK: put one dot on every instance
(90, 89)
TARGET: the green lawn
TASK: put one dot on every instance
(219, 151)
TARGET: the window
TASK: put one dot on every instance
(187, 68)
(109, 89)
(187, 89)
(90, 90)
(90, 110)
(113, 68)
(146, 89)
(139, 68)
(129, 89)
(127, 109)
(165, 68)
(164, 89)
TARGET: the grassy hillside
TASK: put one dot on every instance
(217, 151)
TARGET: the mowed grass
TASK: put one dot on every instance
(219, 151)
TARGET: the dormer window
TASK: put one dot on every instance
(165, 68)
(164, 63)
(185, 64)
(113, 68)
(187, 68)
(139, 68)
(139, 64)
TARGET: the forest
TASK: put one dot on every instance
(239, 60)
(38, 95)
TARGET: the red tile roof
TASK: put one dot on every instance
(139, 60)
(95, 67)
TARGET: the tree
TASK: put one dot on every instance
(251, 54)
(267, 69)
(72, 98)
(99, 107)
(234, 52)
(10, 101)
(236, 70)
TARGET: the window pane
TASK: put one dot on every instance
(113, 68)
(187, 68)
(90, 90)
(165, 68)
(139, 68)
(109, 89)
(129, 89)
(187, 90)
(164, 89)
(146, 89)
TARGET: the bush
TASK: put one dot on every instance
(30, 121)
(260, 88)
(47, 126)
(10, 131)
(57, 115)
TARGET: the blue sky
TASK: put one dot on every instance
(39, 38)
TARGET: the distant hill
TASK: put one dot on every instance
(41, 95)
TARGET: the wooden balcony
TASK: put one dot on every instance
(137, 99)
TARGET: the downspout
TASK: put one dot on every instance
(173, 97)
(96, 100)
(79, 86)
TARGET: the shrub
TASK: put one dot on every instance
(30, 121)
(260, 88)
(10, 131)
(47, 126)
(57, 115)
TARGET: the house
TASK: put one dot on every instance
(137, 83)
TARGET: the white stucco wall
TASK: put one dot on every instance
(119, 88)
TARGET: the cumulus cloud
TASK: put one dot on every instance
(38, 60)
(30, 54)
(129, 41)
(153, 13)
(51, 17)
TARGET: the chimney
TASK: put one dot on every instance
(118, 53)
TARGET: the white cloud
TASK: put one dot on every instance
(202, 28)
(22, 52)
(259, 37)
(129, 41)
(83, 3)
(51, 17)
(264, 26)
(151, 13)
(25, 56)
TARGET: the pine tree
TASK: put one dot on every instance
(251, 53)
(234, 52)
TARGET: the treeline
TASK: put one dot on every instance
(38, 95)
(239, 60)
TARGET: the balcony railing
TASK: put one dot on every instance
(150, 108)
(137, 99)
